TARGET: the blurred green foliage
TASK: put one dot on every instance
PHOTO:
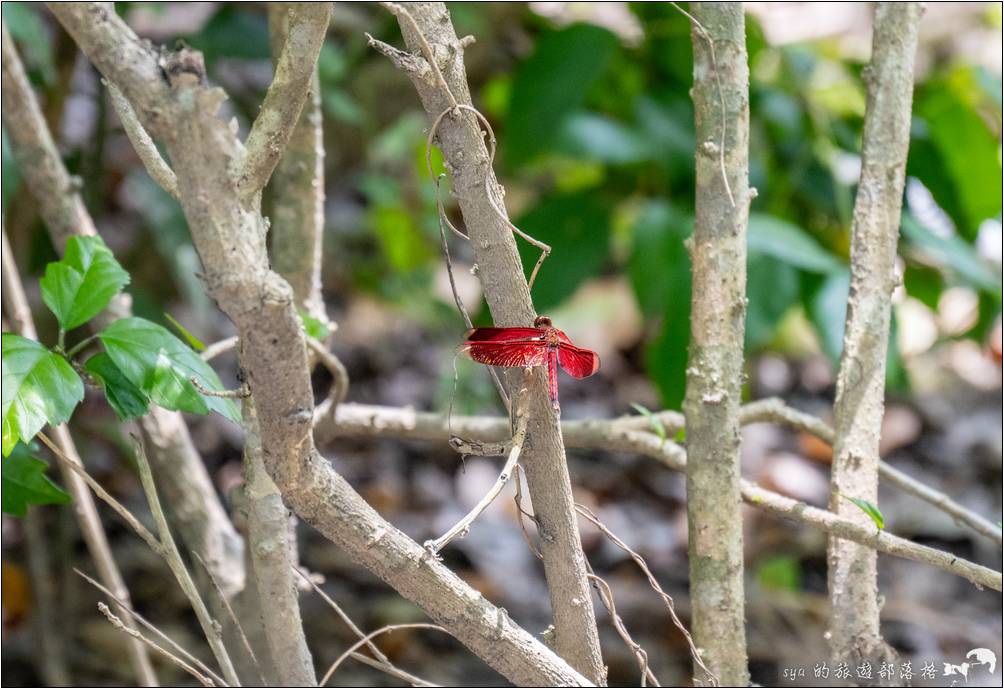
(596, 143)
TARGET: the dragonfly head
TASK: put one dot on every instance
(542, 322)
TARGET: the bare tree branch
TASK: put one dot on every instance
(19, 314)
(135, 634)
(195, 506)
(145, 148)
(436, 68)
(272, 564)
(775, 410)
(362, 420)
(717, 324)
(297, 189)
(859, 405)
(294, 73)
(230, 239)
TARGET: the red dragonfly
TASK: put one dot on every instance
(541, 345)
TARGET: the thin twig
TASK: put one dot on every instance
(243, 392)
(520, 513)
(145, 148)
(355, 420)
(118, 507)
(172, 556)
(775, 410)
(118, 624)
(233, 616)
(461, 528)
(366, 639)
(721, 96)
(399, 11)
(607, 598)
(149, 625)
(217, 348)
(339, 376)
(666, 598)
(382, 662)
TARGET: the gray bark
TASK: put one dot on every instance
(229, 234)
(196, 510)
(500, 270)
(718, 314)
(859, 405)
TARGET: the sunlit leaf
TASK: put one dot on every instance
(83, 283)
(314, 327)
(873, 512)
(39, 387)
(161, 365)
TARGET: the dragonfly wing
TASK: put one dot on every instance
(502, 334)
(578, 362)
(513, 354)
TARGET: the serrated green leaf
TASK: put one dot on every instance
(772, 236)
(873, 512)
(25, 483)
(653, 420)
(161, 365)
(82, 284)
(194, 342)
(314, 327)
(128, 401)
(39, 387)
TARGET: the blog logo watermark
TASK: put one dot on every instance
(980, 663)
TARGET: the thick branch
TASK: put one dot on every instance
(361, 420)
(195, 507)
(230, 240)
(859, 405)
(717, 321)
(294, 72)
(428, 31)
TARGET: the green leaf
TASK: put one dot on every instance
(161, 365)
(968, 150)
(780, 573)
(314, 327)
(577, 227)
(128, 401)
(551, 84)
(659, 269)
(873, 512)
(80, 286)
(953, 252)
(39, 387)
(772, 236)
(826, 305)
(194, 342)
(600, 138)
(654, 421)
(25, 483)
(772, 287)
